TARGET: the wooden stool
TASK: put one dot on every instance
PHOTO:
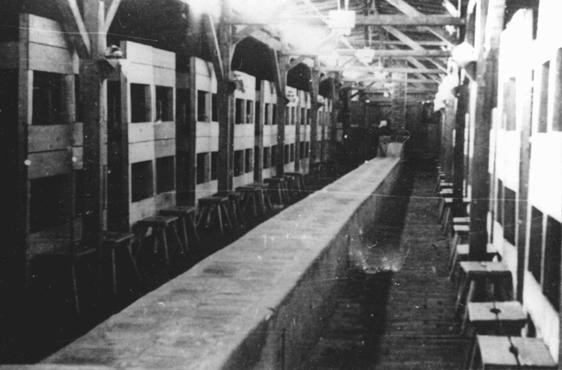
(298, 180)
(160, 225)
(70, 258)
(278, 187)
(189, 227)
(501, 352)
(482, 271)
(445, 204)
(461, 253)
(497, 318)
(460, 236)
(214, 206)
(235, 207)
(112, 241)
(255, 198)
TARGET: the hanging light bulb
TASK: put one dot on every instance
(463, 53)
(365, 55)
(342, 20)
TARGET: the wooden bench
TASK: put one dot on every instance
(214, 207)
(160, 226)
(234, 207)
(480, 273)
(70, 258)
(188, 223)
(255, 200)
(504, 352)
(114, 241)
(461, 253)
(278, 187)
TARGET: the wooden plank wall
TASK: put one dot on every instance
(148, 141)
(244, 134)
(207, 132)
(269, 94)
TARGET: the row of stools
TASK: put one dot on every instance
(484, 302)
(223, 211)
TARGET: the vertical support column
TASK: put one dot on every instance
(258, 167)
(282, 67)
(458, 148)
(491, 22)
(191, 125)
(93, 87)
(398, 101)
(525, 159)
(16, 267)
(314, 86)
(225, 97)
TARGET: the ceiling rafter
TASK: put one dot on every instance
(74, 28)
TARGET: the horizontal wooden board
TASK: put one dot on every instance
(143, 151)
(206, 189)
(52, 59)
(244, 142)
(46, 31)
(9, 55)
(165, 200)
(247, 86)
(204, 83)
(141, 209)
(164, 130)
(164, 77)
(164, 148)
(141, 132)
(49, 164)
(139, 73)
(206, 144)
(48, 138)
(203, 68)
(244, 130)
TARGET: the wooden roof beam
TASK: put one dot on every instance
(110, 13)
(401, 20)
(74, 28)
(402, 53)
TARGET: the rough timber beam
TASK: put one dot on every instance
(110, 13)
(73, 26)
(214, 47)
(400, 20)
(423, 53)
(394, 70)
(403, 38)
(410, 11)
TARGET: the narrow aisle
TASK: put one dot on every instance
(398, 313)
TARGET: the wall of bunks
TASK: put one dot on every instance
(160, 137)
(501, 142)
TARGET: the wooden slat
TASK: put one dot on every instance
(49, 164)
(48, 138)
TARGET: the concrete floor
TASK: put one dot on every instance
(395, 311)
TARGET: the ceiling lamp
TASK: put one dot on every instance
(365, 55)
(463, 53)
(342, 20)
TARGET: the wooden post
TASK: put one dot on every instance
(93, 86)
(225, 92)
(258, 145)
(314, 85)
(491, 21)
(458, 148)
(525, 160)
(282, 62)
